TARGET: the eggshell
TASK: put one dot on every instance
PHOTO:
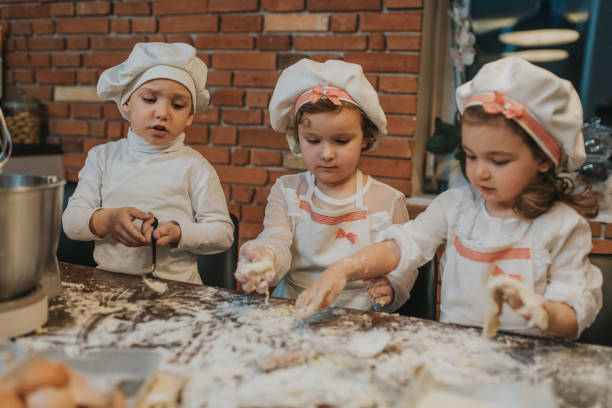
(49, 397)
(42, 373)
(9, 399)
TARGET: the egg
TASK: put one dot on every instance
(9, 399)
(50, 397)
(84, 393)
(42, 373)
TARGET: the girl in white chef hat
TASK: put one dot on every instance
(151, 173)
(330, 114)
(520, 217)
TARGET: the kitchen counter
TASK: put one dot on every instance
(223, 348)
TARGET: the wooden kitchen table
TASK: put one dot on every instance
(223, 348)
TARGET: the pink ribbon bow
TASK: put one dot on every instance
(316, 93)
(499, 104)
(497, 271)
(340, 233)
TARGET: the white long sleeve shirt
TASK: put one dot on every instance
(174, 182)
(560, 242)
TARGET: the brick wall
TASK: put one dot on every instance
(56, 50)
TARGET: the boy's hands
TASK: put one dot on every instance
(119, 223)
(167, 232)
(255, 268)
(380, 290)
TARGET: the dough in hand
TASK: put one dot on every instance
(257, 271)
(532, 304)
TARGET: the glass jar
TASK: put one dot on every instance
(23, 118)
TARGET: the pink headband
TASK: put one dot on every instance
(333, 94)
(497, 103)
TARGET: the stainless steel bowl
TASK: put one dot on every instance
(30, 214)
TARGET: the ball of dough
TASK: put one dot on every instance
(42, 373)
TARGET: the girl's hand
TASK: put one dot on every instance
(255, 268)
(380, 290)
(166, 233)
(119, 223)
(322, 293)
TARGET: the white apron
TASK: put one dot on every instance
(321, 238)
(468, 267)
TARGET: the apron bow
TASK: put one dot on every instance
(340, 233)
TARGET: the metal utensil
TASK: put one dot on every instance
(152, 281)
(6, 142)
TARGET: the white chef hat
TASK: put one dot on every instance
(149, 61)
(544, 105)
(308, 81)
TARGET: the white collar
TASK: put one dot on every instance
(138, 144)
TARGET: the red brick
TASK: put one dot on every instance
(296, 22)
(601, 246)
(273, 42)
(103, 59)
(242, 116)
(395, 4)
(178, 7)
(203, 57)
(276, 174)
(240, 157)
(219, 78)
(210, 115)
(42, 27)
(377, 41)
(82, 25)
(242, 175)
(261, 137)
(216, 6)
(253, 213)
(77, 43)
(88, 8)
(233, 208)
(405, 186)
(608, 231)
(86, 110)
(227, 97)
(114, 130)
(404, 42)
(383, 62)
(37, 92)
(57, 109)
(400, 125)
(256, 79)
(596, 229)
(9, 77)
(156, 38)
(261, 195)
(188, 24)
(68, 127)
(396, 21)
(257, 99)
(45, 76)
(71, 175)
(214, 154)
(290, 58)
(87, 77)
(266, 158)
(144, 25)
(242, 194)
(115, 43)
(97, 128)
(71, 146)
(250, 230)
(398, 147)
(65, 60)
(282, 5)
(386, 167)
(345, 22)
(20, 28)
(224, 41)
(27, 60)
(241, 23)
(244, 60)
(223, 135)
(330, 42)
(38, 11)
(111, 111)
(61, 9)
(343, 5)
(398, 103)
(24, 77)
(20, 44)
(184, 38)
(88, 144)
(120, 25)
(319, 57)
(197, 134)
(398, 84)
(131, 8)
(72, 160)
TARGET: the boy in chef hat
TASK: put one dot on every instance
(151, 187)
(518, 229)
(330, 114)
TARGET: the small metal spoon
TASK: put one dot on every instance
(152, 281)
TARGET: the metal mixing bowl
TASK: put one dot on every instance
(30, 214)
